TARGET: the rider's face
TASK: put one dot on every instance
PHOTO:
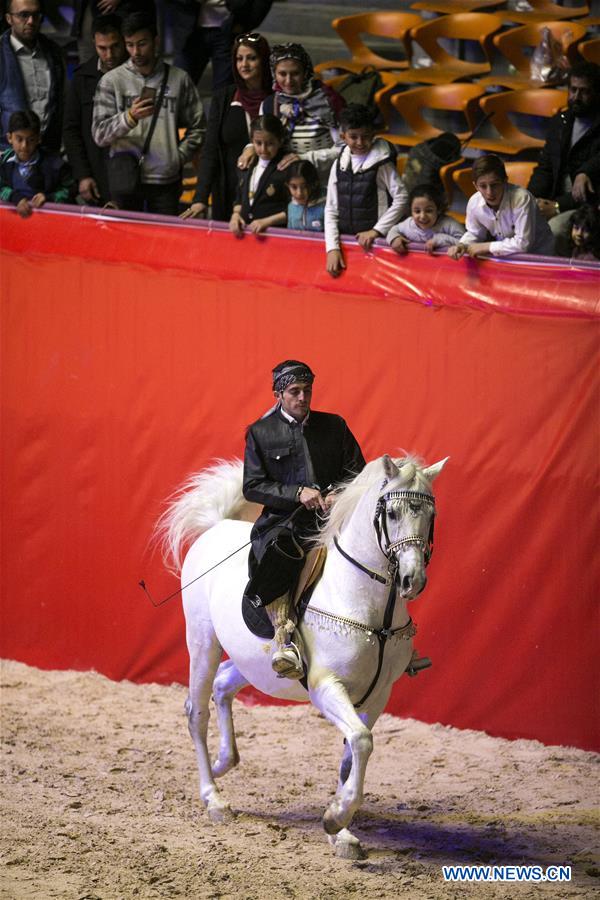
(295, 399)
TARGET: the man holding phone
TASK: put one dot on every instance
(125, 113)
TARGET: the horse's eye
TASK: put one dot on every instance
(392, 515)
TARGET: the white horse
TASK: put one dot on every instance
(356, 631)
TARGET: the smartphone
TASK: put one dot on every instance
(148, 93)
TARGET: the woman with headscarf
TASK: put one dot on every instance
(307, 107)
(231, 111)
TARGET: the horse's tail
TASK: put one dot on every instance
(206, 498)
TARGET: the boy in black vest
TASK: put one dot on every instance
(365, 195)
(28, 176)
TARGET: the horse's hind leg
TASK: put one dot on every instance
(205, 654)
(226, 685)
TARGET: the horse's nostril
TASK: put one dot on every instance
(406, 582)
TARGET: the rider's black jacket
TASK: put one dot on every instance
(276, 466)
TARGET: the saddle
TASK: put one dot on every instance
(257, 620)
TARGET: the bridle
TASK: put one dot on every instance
(388, 548)
(381, 518)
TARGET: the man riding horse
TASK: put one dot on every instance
(293, 455)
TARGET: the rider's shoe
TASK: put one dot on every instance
(287, 662)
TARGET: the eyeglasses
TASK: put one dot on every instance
(24, 15)
(252, 38)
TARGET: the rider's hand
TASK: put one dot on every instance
(311, 498)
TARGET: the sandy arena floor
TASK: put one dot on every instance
(99, 802)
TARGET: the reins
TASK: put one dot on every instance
(262, 531)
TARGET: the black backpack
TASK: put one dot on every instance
(361, 87)
(425, 160)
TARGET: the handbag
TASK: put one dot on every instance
(124, 167)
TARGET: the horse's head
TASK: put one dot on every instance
(403, 520)
(387, 509)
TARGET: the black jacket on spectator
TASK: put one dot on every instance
(218, 172)
(275, 467)
(358, 202)
(124, 9)
(13, 97)
(245, 14)
(51, 176)
(87, 159)
(271, 195)
(557, 159)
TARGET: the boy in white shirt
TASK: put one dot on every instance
(502, 218)
(365, 195)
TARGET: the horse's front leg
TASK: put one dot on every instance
(331, 698)
(226, 685)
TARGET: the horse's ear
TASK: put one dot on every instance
(390, 469)
(433, 471)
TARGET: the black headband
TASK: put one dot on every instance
(282, 378)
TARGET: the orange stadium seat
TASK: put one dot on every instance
(455, 6)
(544, 11)
(590, 50)
(518, 44)
(461, 98)
(539, 102)
(394, 25)
(478, 27)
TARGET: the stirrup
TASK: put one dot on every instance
(287, 662)
(417, 664)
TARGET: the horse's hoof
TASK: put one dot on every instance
(347, 846)
(220, 815)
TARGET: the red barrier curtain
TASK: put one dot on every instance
(134, 353)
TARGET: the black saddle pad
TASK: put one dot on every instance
(257, 620)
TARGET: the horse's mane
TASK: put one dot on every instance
(348, 496)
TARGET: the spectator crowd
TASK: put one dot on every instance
(280, 147)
